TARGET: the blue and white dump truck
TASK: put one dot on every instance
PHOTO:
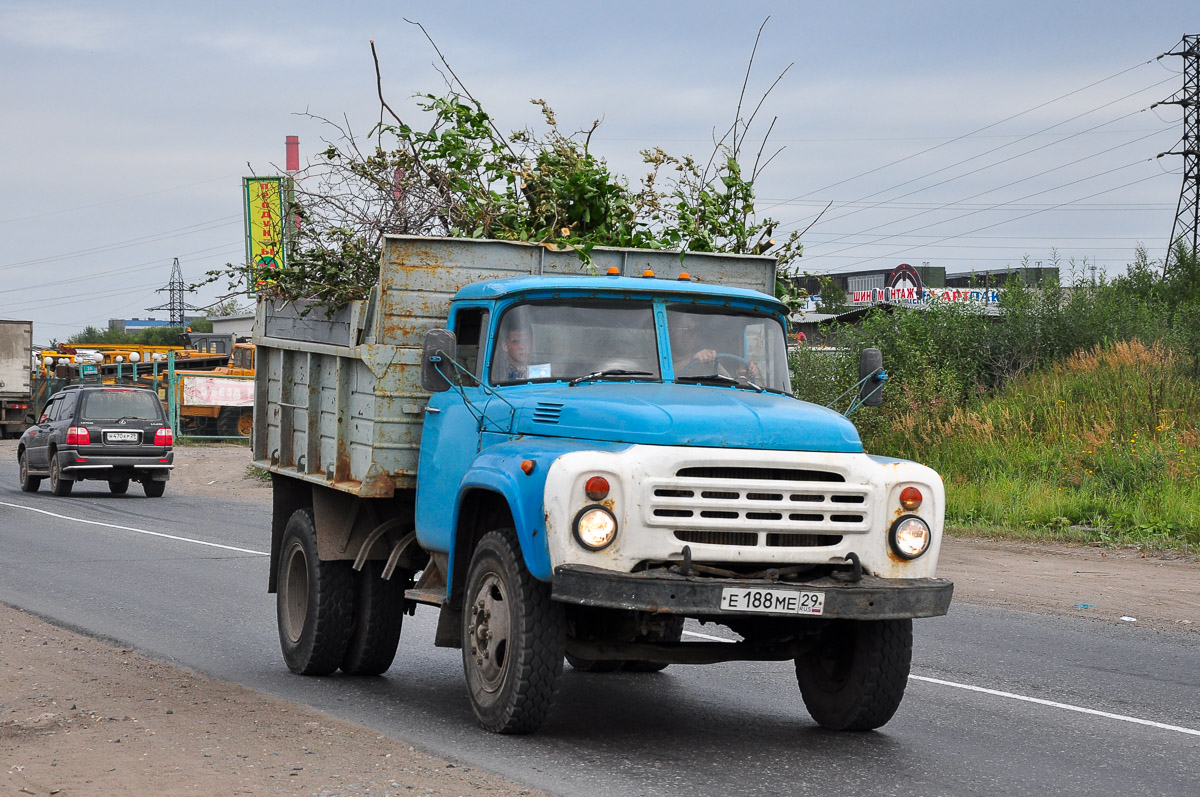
(568, 461)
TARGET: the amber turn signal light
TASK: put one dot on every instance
(910, 498)
(596, 488)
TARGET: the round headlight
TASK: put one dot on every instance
(910, 537)
(595, 527)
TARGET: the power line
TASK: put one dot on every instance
(999, 205)
(973, 132)
(1005, 221)
(1014, 182)
(112, 201)
(1004, 146)
(158, 237)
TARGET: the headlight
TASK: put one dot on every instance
(595, 527)
(910, 537)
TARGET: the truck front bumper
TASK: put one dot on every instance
(695, 596)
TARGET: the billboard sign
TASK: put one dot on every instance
(264, 221)
(215, 390)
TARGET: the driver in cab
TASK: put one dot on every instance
(691, 358)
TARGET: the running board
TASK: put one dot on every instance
(435, 596)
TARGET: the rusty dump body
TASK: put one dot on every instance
(338, 395)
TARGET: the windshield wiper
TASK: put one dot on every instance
(721, 379)
(607, 374)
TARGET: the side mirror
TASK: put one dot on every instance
(872, 376)
(440, 347)
(30, 419)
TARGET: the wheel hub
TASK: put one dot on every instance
(488, 632)
(295, 603)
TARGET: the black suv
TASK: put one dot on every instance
(118, 434)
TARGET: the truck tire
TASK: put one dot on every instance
(673, 632)
(378, 618)
(235, 422)
(118, 486)
(59, 484)
(314, 602)
(513, 638)
(154, 489)
(854, 677)
(29, 484)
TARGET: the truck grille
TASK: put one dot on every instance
(750, 539)
(752, 507)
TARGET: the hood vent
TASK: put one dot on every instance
(547, 412)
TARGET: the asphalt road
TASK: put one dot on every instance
(1001, 702)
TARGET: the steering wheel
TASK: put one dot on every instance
(739, 362)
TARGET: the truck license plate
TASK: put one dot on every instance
(771, 601)
(121, 437)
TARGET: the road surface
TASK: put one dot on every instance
(1000, 702)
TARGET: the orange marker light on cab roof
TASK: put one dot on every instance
(683, 275)
(613, 271)
(527, 466)
(910, 498)
(648, 273)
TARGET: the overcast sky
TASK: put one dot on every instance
(951, 133)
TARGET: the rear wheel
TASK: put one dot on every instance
(29, 484)
(854, 677)
(59, 484)
(118, 486)
(152, 489)
(314, 603)
(513, 638)
(378, 618)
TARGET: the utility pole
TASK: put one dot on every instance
(1187, 212)
(174, 289)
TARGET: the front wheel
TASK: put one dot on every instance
(314, 603)
(59, 484)
(513, 638)
(29, 484)
(854, 676)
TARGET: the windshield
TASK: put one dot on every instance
(717, 344)
(571, 339)
(111, 405)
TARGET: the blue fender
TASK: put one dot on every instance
(498, 469)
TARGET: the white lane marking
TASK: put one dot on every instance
(1012, 696)
(707, 636)
(136, 531)
(1054, 704)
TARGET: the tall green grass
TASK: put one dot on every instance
(1103, 446)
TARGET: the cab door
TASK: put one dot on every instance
(450, 434)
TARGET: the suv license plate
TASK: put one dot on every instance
(121, 437)
(771, 601)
